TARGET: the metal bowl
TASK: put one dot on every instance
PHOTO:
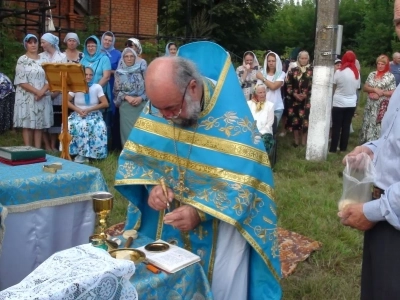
(157, 247)
(134, 255)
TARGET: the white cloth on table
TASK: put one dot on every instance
(230, 275)
(82, 272)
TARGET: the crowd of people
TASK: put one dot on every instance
(289, 86)
(38, 111)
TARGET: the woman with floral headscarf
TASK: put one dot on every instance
(380, 86)
(85, 124)
(32, 110)
(273, 77)
(299, 83)
(52, 54)
(129, 92)
(346, 81)
(247, 73)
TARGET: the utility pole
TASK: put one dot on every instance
(321, 93)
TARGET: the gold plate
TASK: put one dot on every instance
(136, 256)
(157, 247)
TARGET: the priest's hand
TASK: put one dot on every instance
(352, 215)
(157, 200)
(184, 218)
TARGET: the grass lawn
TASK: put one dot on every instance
(306, 195)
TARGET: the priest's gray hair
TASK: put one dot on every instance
(186, 71)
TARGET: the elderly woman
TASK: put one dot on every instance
(273, 77)
(32, 110)
(380, 86)
(52, 54)
(171, 49)
(135, 45)
(263, 113)
(346, 81)
(112, 115)
(129, 91)
(85, 124)
(72, 53)
(99, 62)
(7, 100)
(299, 83)
(247, 73)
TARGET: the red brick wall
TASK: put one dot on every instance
(148, 17)
(121, 17)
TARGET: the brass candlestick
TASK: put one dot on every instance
(102, 205)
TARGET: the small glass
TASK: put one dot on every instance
(98, 241)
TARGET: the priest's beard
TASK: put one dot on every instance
(193, 110)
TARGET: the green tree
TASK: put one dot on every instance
(236, 25)
(293, 25)
(10, 50)
(376, 35)
(351, 16)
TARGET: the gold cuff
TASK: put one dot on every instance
(202, 215)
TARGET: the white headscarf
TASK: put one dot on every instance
(278, 66)
(52, 39)
(255, 61)
(137, 44)
(72, 35)
(167, 48)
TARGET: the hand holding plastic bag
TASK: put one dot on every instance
(358, 175)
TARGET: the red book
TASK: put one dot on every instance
(22, 161)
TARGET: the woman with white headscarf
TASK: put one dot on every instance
(52, 54)
(171, 49)
(72, 53)
(273, 77)
(247, 73)
(129, 92)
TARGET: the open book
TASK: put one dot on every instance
(171, 260)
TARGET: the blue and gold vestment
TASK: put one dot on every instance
(228, 176)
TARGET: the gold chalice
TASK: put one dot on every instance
(102, 205)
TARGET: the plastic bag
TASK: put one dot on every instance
(358, 176)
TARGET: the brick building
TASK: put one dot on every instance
(125, 18)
